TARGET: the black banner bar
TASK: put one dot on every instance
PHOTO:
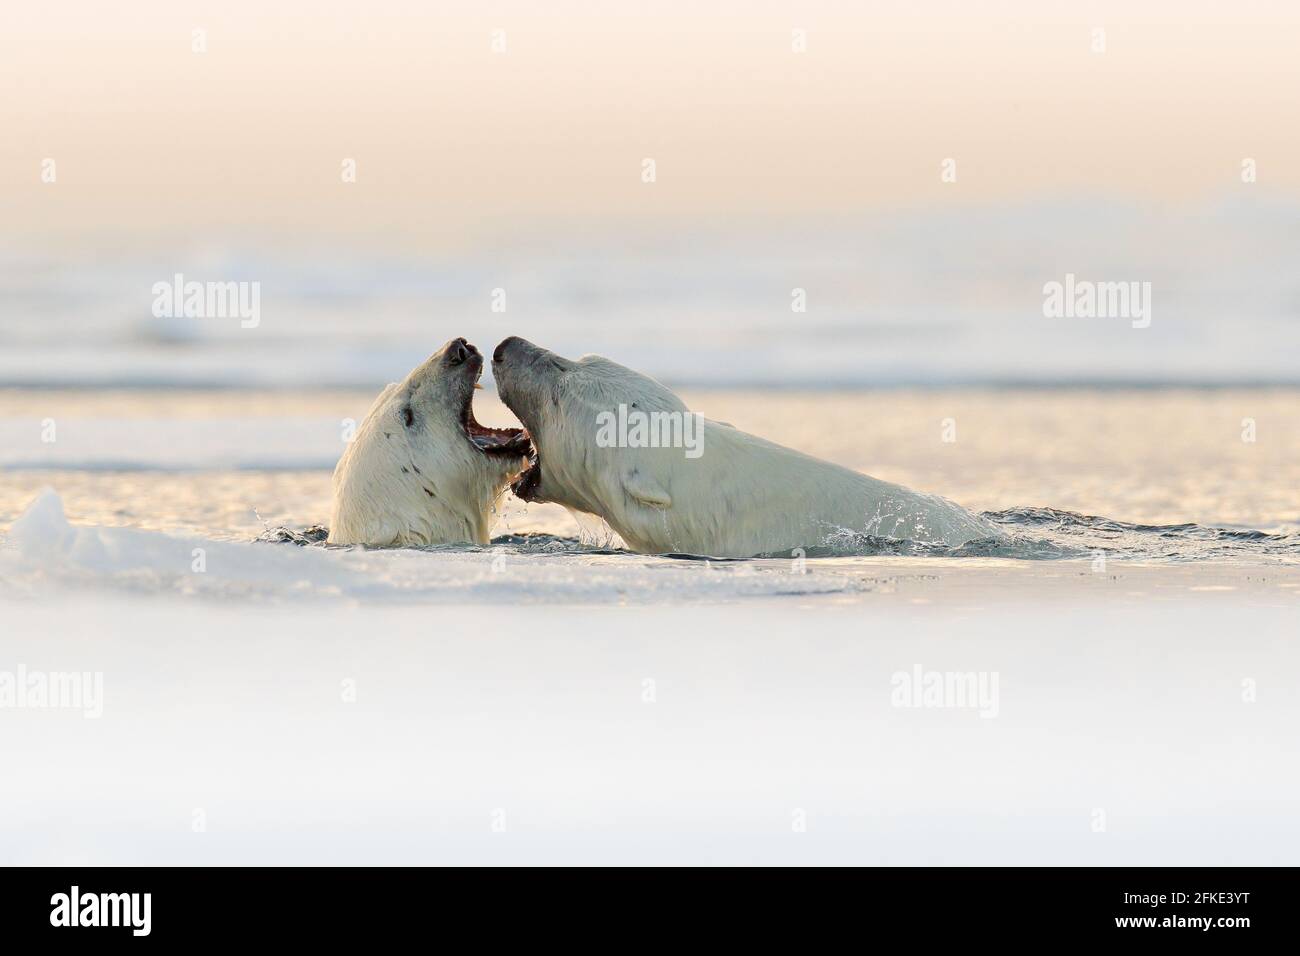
(1177, 905)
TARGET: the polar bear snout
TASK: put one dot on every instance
(463, 363)
(505, 346)
(522, 353)
(459, 350)
(513, 363)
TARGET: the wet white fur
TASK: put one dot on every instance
(743, 496)
(377, 503)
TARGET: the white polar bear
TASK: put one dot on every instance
(421, 470)
(714, 490)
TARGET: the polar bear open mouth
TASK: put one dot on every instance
(493, 441)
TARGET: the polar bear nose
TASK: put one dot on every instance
(458, 350)
(500, 351)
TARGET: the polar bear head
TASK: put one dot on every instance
(421, 470)
(568, 407)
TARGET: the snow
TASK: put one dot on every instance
(46, 554)
(312, 733)
(303, 705)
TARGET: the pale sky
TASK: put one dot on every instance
(453, 140)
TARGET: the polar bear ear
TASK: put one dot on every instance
(642, 488)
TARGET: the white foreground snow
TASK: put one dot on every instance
(46, 554)
(303, 705)
(745, 734)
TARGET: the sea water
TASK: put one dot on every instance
(1096, 479)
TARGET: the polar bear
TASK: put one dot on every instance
(709, 489)
(421, 470)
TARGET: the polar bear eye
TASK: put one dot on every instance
(408, 416)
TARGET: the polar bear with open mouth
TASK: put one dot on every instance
(709, 489)
(421, 470)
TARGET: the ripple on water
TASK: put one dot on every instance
(1032, 534)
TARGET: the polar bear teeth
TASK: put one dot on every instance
(500, 441)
